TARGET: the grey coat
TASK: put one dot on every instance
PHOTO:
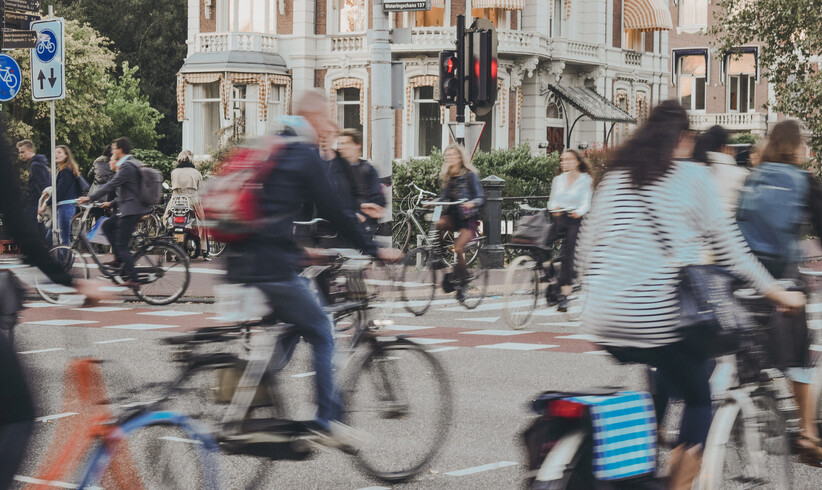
(127, 183)
(99, 175)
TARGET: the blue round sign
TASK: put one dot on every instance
(46, 47)
(9, 78)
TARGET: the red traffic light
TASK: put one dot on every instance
(449, 66)
(493, 68)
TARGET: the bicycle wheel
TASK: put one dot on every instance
(747, 450)
(399, 389)
(72, 262)
(159, 450)
(401, 234)
(383, 293)
(521, 291)
(163, 273)
(576, 302)
(215, 248)
(472, 248)
(476, 287)
(418, 282)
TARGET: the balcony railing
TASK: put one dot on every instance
(213, 42)
(633, 58)
(755, 122)
(347, 43)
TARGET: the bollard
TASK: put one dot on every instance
(492, 251)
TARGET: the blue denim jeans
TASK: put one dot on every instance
(294, 303)
(64, 215)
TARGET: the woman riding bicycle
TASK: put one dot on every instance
(570, 200)
(459, 180)
(654, 212)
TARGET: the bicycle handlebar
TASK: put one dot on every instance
(444, 203)
(422, 191)
(67, 202)
(750, 294)
(525, 207)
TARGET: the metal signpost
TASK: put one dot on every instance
(48, 83)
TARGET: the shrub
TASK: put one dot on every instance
(157, 160)
(743, 138)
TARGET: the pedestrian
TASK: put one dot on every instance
(70, 185)
(369, 200)
(711, 148)
(129, 209)
(100, 172)
(459, 180)
(776, 201)
(186, 180)
(569, 201)
(39, 179)
(653, 213)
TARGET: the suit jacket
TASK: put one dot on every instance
(127, 184)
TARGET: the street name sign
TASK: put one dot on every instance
(19, 39)
(48, 61)
(19, 20)
(405, 5)
(9, 78)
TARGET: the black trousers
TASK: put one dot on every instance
(568, 228)
(118, 230)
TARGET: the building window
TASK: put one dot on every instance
(429, 128)
(693, 13)
(244, 110)
(741, 82)
(633, 39)
(352, 15)
(206, 117)
(251, 15)
(275, 108)
(620, 131)
(556, 18)
(691, 71)
(348, 109)
(499, 17)
(430, 18)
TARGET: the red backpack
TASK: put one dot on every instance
(233, 200)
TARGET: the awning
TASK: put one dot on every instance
(646, 15)
(235, 61)
(498, 4)
(593, 105)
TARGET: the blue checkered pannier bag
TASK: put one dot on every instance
(624, 430)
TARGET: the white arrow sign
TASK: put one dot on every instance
(48, 61)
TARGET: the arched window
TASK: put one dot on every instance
(553, 108)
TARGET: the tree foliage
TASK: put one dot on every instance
(791, 35)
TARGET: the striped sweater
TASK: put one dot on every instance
(633, 243)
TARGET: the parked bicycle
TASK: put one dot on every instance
(418, 283)
(162, 268)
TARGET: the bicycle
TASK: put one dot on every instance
(418, 284)
(162, 268)
(403, 229)
(384, 375)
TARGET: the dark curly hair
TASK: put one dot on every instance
(711, 140)
(647, 156)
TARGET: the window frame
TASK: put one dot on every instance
(225, 17)
(557, 19)
(417, 114)
(340, 106)
(199, 106)
(695, 25)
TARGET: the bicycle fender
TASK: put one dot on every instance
(560, 457)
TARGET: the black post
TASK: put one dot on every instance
(461, 56)
(492, 250)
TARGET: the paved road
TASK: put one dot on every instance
(495, 372)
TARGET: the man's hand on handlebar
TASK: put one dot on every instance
(106, 205)
(389, 254)
(83, 199)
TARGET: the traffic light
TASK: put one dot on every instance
(449, 78)
(482, 86)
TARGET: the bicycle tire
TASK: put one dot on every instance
(375, 405)
(401, 234)
(576, 303)
(418, 282)
(476, 287)
(160, 450)
(215, 248)
(73, 262)
(521, 291)
(735, 457)
(155, 262)
(472, 249)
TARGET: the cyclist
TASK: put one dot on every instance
(39, 179)
(369, 200)
(711, 149)
(270, 260)
(569, 201)
(119, 228)
(459, 180)
(653, 195)
(186, 180)
(69, 186)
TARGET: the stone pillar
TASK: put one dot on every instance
(302, 59)
(492, 251)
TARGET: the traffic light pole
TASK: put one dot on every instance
(461, 56)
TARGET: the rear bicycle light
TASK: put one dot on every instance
(179, 219)
(565, 409)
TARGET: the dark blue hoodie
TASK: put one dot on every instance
(39, 178)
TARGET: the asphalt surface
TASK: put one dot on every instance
(494, 373)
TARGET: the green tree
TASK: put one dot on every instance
(130, 112)
(791, 35)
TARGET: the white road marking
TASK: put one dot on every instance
(580, 336)
(142, 326)
(374, 488)
(430, 341)
(597, 352)
(62, 323)
(560, 324)
(817, 348)
(180, 439)
(404, 315)
(53, 349)
(53, 483)
(442, 349)
(479, 469)
(113, 341)
(498, 333)
(303, 375)
(102, 309)
(38, 305)
(170, 313)
(203, 270)
(517, 346)
(405, 328)
(487, 306)
(48, 418)
(486, 319)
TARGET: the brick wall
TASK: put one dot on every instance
(319, 78)
(617, 39)
(457, 7)
(208, 25)
(320, 17)
(512, 118)
(285, 23)
(397, 134)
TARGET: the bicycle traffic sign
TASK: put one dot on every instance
(9, 78)
(48, 77)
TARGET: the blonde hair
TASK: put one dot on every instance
(467, 166)
(69, 162)
(185, 156)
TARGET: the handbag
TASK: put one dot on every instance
(531, 229)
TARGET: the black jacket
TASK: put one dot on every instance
(127, 184)
(39, 179)
(466, 186)
(68, 186)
